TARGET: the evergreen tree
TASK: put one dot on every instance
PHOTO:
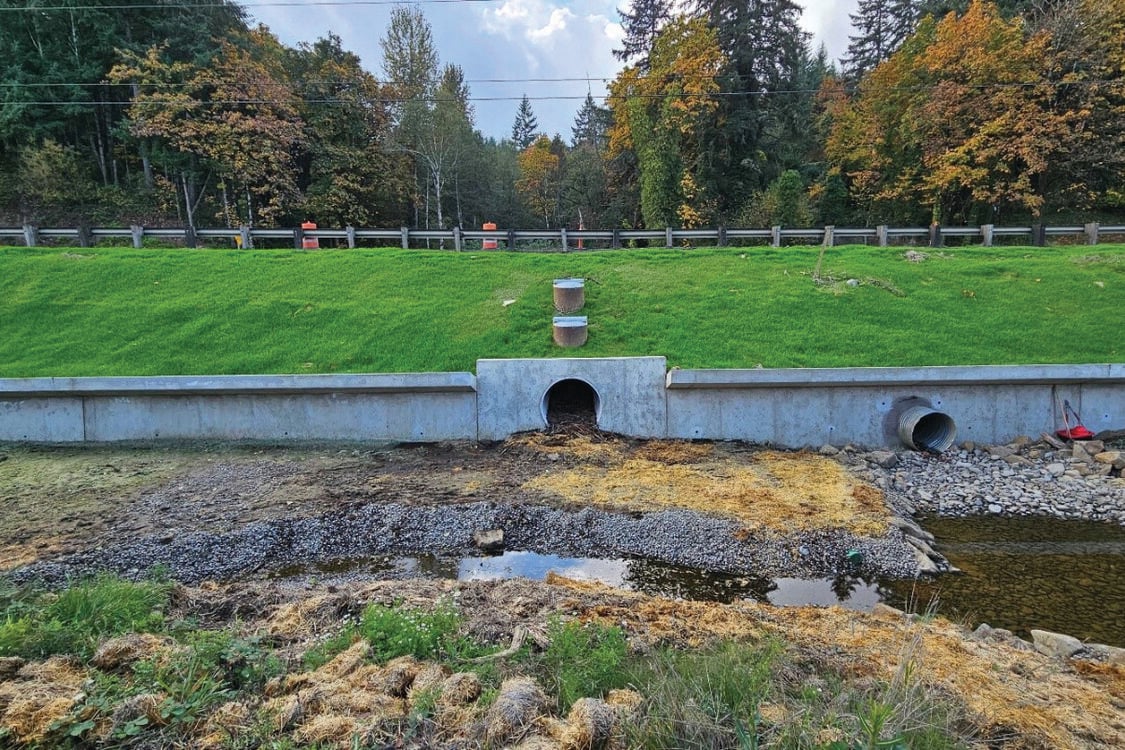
(766, 52)
(525, 130)
(641, 24)
(590, 125)
(881, 27)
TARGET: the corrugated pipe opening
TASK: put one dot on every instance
(923, 429)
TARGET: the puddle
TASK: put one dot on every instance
(646, 576)
(1018, 574)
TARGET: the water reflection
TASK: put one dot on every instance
(661, 579)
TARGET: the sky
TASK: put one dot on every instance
(495, 41)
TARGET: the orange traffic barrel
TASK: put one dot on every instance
(309, 243)
(488, 244)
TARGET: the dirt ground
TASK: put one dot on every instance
(64, 500)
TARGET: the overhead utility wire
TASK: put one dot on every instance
(265, 4)
(540, 97)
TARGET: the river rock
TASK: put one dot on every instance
(1116, 459)
(884, 459)
(490, 540)
(1055, 644)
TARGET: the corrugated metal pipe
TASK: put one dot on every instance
(923, 429)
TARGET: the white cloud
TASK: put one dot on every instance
(570, 39)
(556, 24)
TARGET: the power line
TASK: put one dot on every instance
(265, 4)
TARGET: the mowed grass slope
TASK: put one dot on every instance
(139, 312)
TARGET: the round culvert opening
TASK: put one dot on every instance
(571, 402)
(924, 429)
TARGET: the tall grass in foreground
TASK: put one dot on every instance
(73, 621)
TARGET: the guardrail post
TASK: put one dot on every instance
(190, 240)
(85, 236)
(30, 235)
(721, 239)
(987, 231)
(829, 236)
(615, 241)
(138, 235)
(298, 238)
(668, 237)
(511, 239)
(1038, 235)
(881, 234)
(935, 235)
(247, 238)
(457, 238)
(1092, 233)
(775, 236)
(405, 238)
(351, 236)
(562, 235)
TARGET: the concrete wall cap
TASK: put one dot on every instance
(426, 382)
(901, 376)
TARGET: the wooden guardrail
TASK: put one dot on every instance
(566, 239)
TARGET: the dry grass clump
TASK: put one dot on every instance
(331, 729)
(40, 694)
(124, 650)
(771, 490)
(589, 724)
(519, 706)
(1007, 690)
(225, 723)
(460, 689)
(330, 703)
(305, 617)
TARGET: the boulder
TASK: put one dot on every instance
(1055, 644)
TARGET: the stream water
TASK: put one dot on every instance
(1017, 574)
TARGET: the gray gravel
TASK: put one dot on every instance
(1015, 480)
(676, 537)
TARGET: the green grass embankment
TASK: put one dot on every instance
(143, 312)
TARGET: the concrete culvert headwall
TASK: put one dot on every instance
(571, 401)
(922, 428)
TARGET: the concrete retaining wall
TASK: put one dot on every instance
(421, 407)
(855, 405)
(634, 396)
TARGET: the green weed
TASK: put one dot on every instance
(73, 621)
(583, 660)
(395, 631)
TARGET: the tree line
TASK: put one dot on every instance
(153, 113)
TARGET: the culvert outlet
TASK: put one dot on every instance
(923, 429)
